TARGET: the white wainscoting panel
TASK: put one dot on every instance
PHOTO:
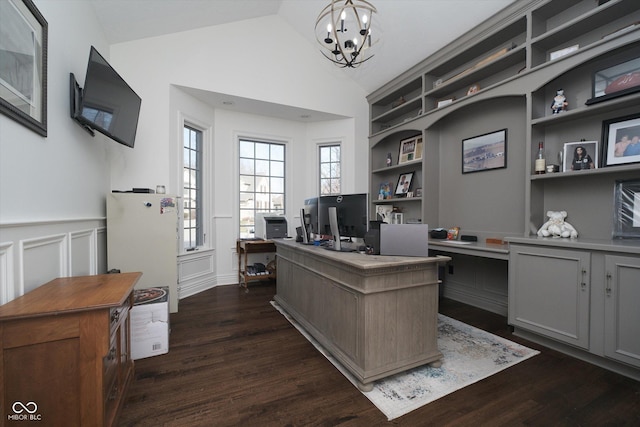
(41, 259)
(82, 253)
(196, 272)
(34, 253)
(101, 250)
(6, 272)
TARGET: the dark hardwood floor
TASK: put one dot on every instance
(235, 361)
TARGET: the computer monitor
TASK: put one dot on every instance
(311, 215)
(352, 214)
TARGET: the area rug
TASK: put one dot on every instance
(469, 355)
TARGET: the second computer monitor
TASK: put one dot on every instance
(352, 211)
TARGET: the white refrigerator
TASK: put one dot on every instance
(142, 235)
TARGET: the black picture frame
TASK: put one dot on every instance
(615, 81)
(485, 152)
(404, 184)
(621, 140)
(23, 64)
(627, 209)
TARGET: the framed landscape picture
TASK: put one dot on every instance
(485, 152)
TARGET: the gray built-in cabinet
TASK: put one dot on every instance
(571, 292)
(585, 296)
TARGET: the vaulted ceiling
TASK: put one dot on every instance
(408, 30)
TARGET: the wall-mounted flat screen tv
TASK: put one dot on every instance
(106, 103)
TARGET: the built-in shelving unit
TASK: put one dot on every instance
(504, 74)
(510, 55)
(383, 174)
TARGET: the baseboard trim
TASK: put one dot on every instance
(476, 300)
(602, 362)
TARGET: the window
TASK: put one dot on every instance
(193, 234)
(262, 181)
(330, 169)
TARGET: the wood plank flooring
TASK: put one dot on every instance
(235, 361)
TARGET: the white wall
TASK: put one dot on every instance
(251, 67)
(52, 189)
(66, 174)
(232, 59)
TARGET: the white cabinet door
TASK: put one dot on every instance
(622, 316)
(549, 292)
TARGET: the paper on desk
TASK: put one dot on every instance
(457, 242)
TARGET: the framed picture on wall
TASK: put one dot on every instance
(23, 64)
(621, 140)
(404, 184)
(580, 155)
(485, 152)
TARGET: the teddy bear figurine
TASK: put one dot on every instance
(557, 227)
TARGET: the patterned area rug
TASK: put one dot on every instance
(470, 355)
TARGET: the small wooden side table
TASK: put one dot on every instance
(245, 247)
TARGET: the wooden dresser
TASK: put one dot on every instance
(64, 352)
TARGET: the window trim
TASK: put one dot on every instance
(287, 169)
(207, 173)
(319, 146)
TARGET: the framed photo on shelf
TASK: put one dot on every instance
(410, 149)
(619, 80)
(580, 155)
(385, 191)
(621, 140)
(383, 213)
(23, 64)
(627, 209)
(397, 218)
(404, 184)
(485, 152)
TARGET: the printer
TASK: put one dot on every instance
(270, 225)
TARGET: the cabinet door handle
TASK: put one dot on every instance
(583, 284)
(608, 289)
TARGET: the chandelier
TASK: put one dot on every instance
(343, 29)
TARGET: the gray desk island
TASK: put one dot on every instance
(377, 315)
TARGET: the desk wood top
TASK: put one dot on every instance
(359, 260)
(72, 294)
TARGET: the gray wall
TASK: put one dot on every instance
(491, 200)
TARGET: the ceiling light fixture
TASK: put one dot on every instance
(343, 28)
